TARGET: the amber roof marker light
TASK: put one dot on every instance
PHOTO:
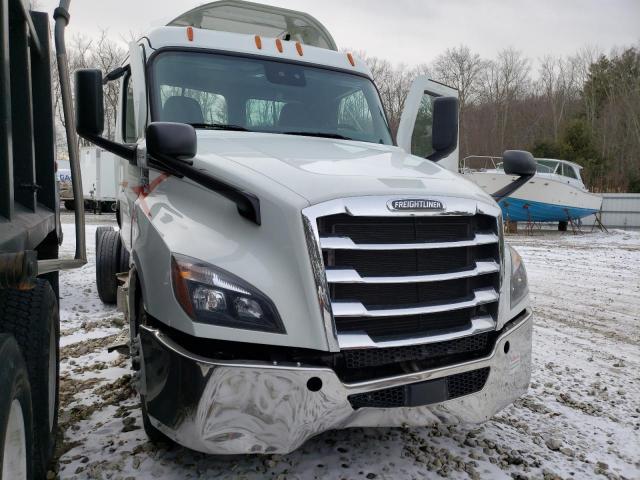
(279, 45)
(351, 60)
(190, 34)
(258, 42)
(299, 48)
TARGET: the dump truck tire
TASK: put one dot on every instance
(16, 422)
(107, 264)
(32, 318)
(69, 205)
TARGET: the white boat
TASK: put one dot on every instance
(555, 193)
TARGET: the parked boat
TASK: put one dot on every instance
(555, 193)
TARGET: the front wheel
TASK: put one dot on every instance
(108, 263)
(16, 425)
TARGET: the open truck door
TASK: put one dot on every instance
(429, 123)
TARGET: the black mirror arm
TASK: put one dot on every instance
(124, 150)
(511, 187)
(115, 74)
(248, 204)
(440, 154)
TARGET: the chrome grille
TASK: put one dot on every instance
(395, 277)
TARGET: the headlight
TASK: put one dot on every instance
(519, 284)
(211, 295)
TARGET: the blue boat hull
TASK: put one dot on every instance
(517, 210)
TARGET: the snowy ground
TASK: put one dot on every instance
(580, 419)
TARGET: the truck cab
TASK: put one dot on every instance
(287, 266)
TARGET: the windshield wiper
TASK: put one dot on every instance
(319, 134)
(220, 126)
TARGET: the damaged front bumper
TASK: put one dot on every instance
(237, 407)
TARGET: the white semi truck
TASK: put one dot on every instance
(286, 266)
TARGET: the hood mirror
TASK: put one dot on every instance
(516, 162)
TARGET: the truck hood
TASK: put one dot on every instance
(320, 169)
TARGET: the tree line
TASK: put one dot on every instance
(583, 107)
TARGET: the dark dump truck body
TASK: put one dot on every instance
(29, 203)
(30, 233)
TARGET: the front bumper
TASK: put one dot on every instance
(236, 407)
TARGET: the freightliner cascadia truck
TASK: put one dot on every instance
(287, 266)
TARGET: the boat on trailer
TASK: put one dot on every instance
(556, 193)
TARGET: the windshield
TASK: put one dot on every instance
(238, 93)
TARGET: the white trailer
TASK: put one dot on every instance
(99, 179)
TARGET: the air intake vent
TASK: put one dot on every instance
(423, 393)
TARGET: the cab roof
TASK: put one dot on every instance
(180, 37)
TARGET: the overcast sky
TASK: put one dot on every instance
(411, 31)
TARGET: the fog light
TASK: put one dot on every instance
(209, 300)
(248, 308)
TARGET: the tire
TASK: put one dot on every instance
(124, 259)
(16, 421)
(32, 317)
(562, 226)
(69, 205)
(107, 264)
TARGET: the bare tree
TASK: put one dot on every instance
(83, 52)
(393, 83)
(503, 82)
(108, 55)
(558, 87)
(460, 68)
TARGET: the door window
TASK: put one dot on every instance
(421, 139)
(129, 117)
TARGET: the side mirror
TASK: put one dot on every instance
(89, 102)
(176, 141)
(518, 162)
(90, 114)
(444, 136)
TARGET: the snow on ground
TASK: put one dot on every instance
(580, 419)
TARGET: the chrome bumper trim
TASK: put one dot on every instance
(357, 340)
(352, 276)
(258, 407)
(356, 309)
(345, 243)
